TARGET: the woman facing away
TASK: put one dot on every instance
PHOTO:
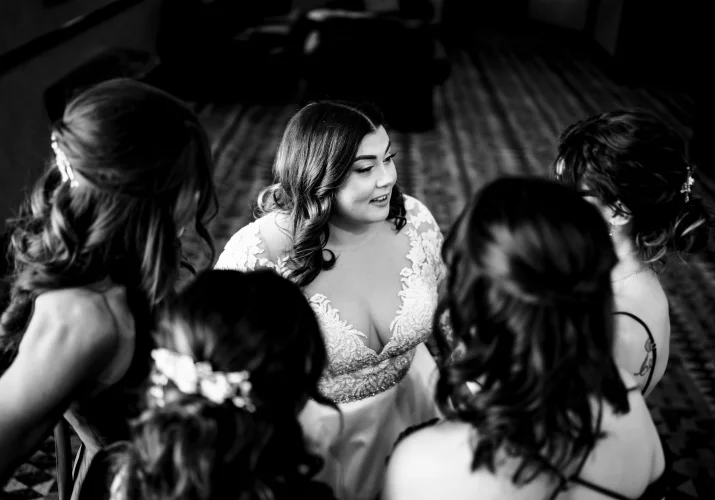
(96, 249)
(635, 169)
(367, 257)
(229, 379)
(535, 405)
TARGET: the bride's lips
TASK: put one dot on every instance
(381, 200)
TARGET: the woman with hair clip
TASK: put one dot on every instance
(535, 407)
(229, 379)
(635, 169)
(95, 250)
(367, 257)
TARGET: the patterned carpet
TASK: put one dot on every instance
(499, 113)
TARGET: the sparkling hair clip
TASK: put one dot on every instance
(190, 377)
(688, 184)
(63, 164)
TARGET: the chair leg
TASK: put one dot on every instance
(63, 454)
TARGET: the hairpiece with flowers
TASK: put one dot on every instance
(191, 377)
(688, 184)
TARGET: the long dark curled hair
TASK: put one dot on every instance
(638, 165)
(528, 299)
(314, 159)
(186, 446)
(141, 166)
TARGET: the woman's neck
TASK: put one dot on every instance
(347, 236)
(629, 263)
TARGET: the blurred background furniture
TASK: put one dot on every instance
(390, 57)
(222, 48)
(386, 52)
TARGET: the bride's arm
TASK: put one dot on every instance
(432, 241)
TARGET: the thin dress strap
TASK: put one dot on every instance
(654, 491)
(564, 481)
(599, 489)
(652, 343)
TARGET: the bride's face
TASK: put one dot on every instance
(364, 197)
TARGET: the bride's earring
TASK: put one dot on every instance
(610, 228)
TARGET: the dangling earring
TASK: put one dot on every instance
(610, 229)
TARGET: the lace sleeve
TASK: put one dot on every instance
(430, 234)
(431, 239)
(246, 251)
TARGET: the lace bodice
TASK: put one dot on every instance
(354, 370)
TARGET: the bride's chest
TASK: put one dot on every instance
(364, 284)
(380, 300)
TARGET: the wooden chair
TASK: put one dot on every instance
(64, 460)
(95, 485)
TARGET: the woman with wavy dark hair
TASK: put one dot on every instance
(635, 169)
(367, 257)
(535, 405)
(229, 379)
(95, 250)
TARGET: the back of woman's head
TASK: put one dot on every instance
(132, 165)
(529, 299)
(231, 374)
(638, 165)
(313, 161)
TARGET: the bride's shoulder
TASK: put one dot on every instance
(263, 242)
(413, 206)
(275, 233)
(418, 215)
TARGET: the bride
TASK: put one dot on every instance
(368, 259)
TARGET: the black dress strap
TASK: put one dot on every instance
(599, 489)
(652, 343)
(657, 490)
(563, 480)
(576, 478)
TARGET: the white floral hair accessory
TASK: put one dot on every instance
(198, 378)
(688, 184)
(63, 164)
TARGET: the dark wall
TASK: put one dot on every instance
(662, 39)
(24, 126)
(22, 21)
